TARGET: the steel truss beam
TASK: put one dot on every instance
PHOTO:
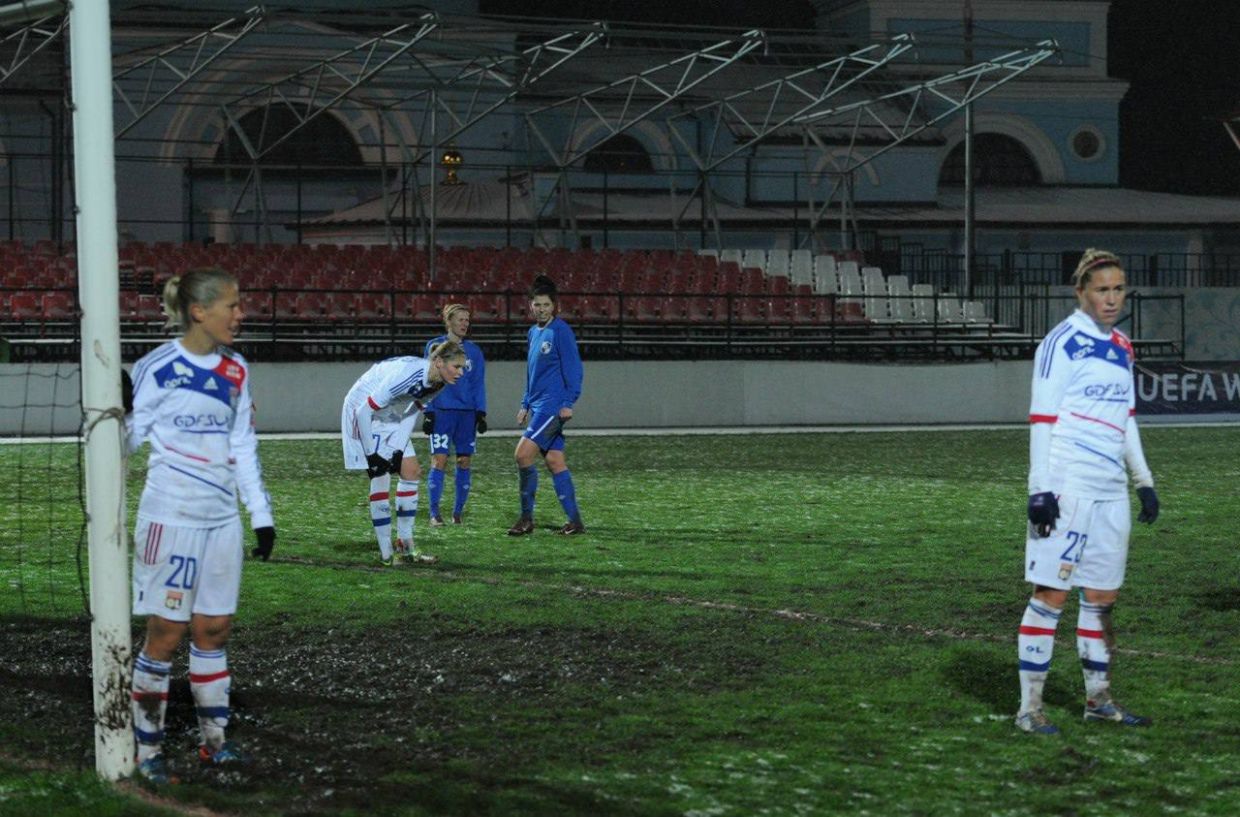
(312, 91)
(781, 101)
(893, 117)
(488, 84)
(27, 41)
(660, 84)
(157, 77)
(623, 103)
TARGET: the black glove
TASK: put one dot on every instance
(1043, 511)
(376, 466)
(480, 422)
(266, 541)
(1149, 505)
(394, 463)
(126, 391)
(428, 423)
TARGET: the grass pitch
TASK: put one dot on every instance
(760, 624)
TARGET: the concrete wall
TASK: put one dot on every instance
(618, 394)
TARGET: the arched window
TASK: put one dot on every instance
(321, 141)
(998, 161)
(619, 154)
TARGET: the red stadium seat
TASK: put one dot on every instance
(58, 306)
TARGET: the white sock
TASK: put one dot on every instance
(1092, 644)
(381, 513)
(406, 509)
(210, 682)
(1034, 646)
(150, 701)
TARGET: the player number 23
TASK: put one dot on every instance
(1076, 541)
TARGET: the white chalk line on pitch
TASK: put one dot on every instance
(783, 613)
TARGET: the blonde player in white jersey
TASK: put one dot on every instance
(1084, 445)
(376, 422)
(191, 401)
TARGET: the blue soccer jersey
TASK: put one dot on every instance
(469, 392)
(553, 371)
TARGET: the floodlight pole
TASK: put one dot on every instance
(103, 427)
(970, 213)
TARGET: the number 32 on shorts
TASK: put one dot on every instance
(1076, 545)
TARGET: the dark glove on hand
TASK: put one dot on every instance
(480, 422)
(126, 391)
(394, 463)
(266, 541)
(1149, 505)
(1043, 511)
(428, 423)
(376, 466)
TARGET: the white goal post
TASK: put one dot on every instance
(90, 44)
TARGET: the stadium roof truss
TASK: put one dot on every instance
(453, 72)
(19, 46)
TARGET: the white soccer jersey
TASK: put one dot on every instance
(1083, 386)
(197, 413)
(392, 391)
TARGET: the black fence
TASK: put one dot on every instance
(321, 324)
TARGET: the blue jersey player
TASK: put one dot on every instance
(552, 385)
(1084, 447)
(460, 415)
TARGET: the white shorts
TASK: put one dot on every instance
(1087, 548)
(180, 571)
(384, 440)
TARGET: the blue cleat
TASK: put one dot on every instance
(227, 754)
(154, 770)
(1106, 710)
(1035, 722)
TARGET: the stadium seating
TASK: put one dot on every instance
(322, 292)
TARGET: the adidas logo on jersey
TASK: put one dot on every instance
(210, 385)
(1111, 355)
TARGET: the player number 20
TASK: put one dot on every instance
(184, 572)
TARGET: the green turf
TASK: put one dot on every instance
(761, 624)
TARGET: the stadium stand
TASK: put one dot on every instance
(330, 298)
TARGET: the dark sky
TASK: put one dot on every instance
(1181, 57)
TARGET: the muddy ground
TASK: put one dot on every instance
(332, 722)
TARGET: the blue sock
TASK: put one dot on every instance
(529, 486)
(568, 496)
(435, 482)
(462, 490)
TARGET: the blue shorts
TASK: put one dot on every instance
(545, 429)
(455, 427)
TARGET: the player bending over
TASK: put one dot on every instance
(376, 422)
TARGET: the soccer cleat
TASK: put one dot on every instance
(571, 529)
(456, 519)
(226, 755)
(1035, 722)
(417, 557)
(1104, 709)
(523, 526)
(388, 562)
(154, 770)
(436, 521)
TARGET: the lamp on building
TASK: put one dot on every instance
(451, 160)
